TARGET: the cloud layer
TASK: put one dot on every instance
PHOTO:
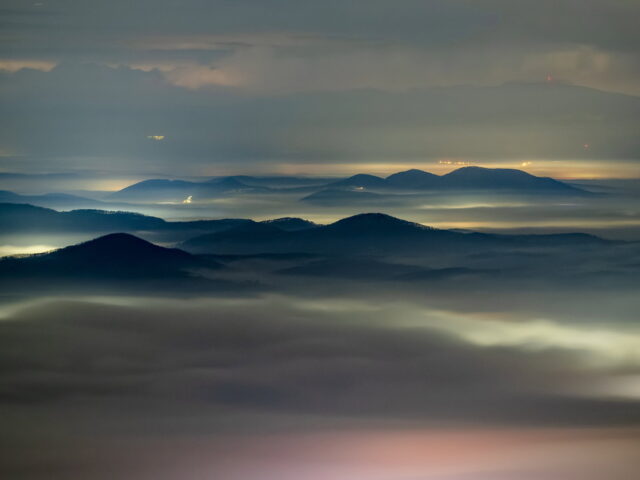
(244, 83)
(272, 387)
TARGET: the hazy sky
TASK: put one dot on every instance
(317, 87)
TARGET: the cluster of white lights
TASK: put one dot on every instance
(452, 162)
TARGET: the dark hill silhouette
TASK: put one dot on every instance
(153, 188)
(29, 218)
(290, 223)
(466, 178)
(9, 197)
(63, 201)
(256, 229)
(117, 255)
(252, 233)
(360, 180)
(500, 179)
(361, 188)
(20, 218)
(372, 233)
(23, 218)
(206, 225)
(373, 224)
(227, 183)
(178, 190)
(414, 179)
(265, 238)
(51, 200)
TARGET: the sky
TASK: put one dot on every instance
(168, 88)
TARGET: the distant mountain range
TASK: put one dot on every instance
(361, 189)
(465, 178)
(180, 190)
(290, 224)
(361, 180)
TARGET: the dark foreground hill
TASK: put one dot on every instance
(462, 179)
(117, 255)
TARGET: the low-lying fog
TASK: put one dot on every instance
(337, 383)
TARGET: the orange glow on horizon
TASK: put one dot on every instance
(560, 169)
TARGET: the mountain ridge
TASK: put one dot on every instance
(372, 233)
(464, 178)
(116, 255)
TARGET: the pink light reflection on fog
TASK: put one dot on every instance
(475, 454)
